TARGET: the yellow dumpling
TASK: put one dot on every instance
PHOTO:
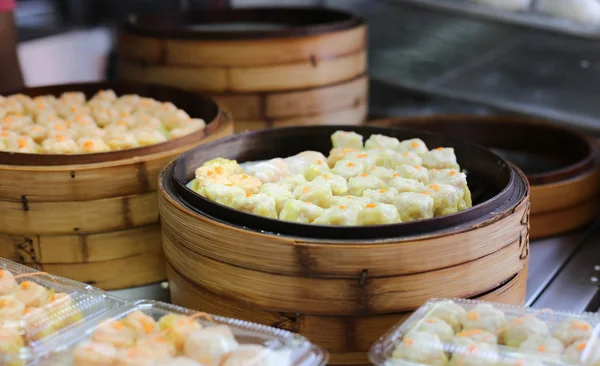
(457, 180)
(148, 136)
(440, 158)
(446, 198)
(92, 145)
(416, 172)
(317, 192)
(382, 173)
(365, 157)
(339, 215)
(315, 170)
(348, 169)
(269, 171)
(385, 142)
(338, 154)
(126, 141)
(406, 184)
(20, 144)
(293, 181)
(341, 139)
(393, 159)
(350, 200)
(301, 212)
(280, 192)
(413, 145)
(414, 206)
(378, 214)
(357, 185)
(191, 126)
(383, 195)
(219, 166)
(223, 194)
(300, 163)
(59, 144)
(339, 185)
(246, 182)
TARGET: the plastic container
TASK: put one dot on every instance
(302, 352)
(31, 315)
(574, 337)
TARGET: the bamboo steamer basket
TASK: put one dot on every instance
(561, 164)
(323, 275)
(291, 66)
(94, 217)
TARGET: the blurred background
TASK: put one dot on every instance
(420, 61)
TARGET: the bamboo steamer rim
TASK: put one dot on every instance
(305, 22)
(173, 183)
(583, 162)
(11, 159)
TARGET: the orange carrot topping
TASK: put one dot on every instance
(472, 348)
(305, 189)
(431, 320)
(364, 175)
(342, 207)
(229, 185)
(7, 119)
(373, 168)
(326, 176)
(25, 285)
(440, 149)
(360, 156)
(36, 128)
(417, 167)
(319, 162)
(53, 298)
(219, 170)
(1, 273)
(371, 205)
(59, 127)
(414, 144)
(148, 328)
(425, 193)
(4, 303)
(348, 149)
(248, 194)
(349, 196)
(4, 133)
(73, 108)
(396, 175)
(435, 187)
(473, 315)
(382, 190)
(542, 348)
(27, 311)
(308, 202)
(405, 154)
(452, 172)
(60, 138)
(118, 325)
(22, 143)
(244, 176)
(210, 172)
(408, 341)
(580, 325)
(581, 346)
(350, 164)
(88, 145)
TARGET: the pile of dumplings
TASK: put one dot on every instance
(175, 340)
(380, 181)
(30, 312)
(450, 334)
(72, 125)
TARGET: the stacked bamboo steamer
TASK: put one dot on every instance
(562, 165)
(341, 293)
(94, 217)
(288, 67)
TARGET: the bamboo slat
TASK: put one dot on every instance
(349, 338)
(81, 248)
(557, 222)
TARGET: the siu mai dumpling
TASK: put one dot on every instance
(339, 215)
(257, 204)
(485, 317)
(89, 145)
(475, 355)
(246, 182)
(416, 172)
(59, 144)
(317, 192)
(280, 192)
(391, 159)
(378, 214)
(126, 141)
(474, 336)
(571, 330)
(421, 348)
(519, 329)
(435, 326)
(413, 145)
(350, 200)
(383, 195)
(316, 170)
(456, 179)
(269, 171)
(293, 181)
(382, 173)
(414, 206)
(300, 163)
(348, 169)
(544, 346)
(223, 194)
(440, 158)
(446, 198)
(365, 157)
(300, 212)
(339, 185)
(338, 154)
(406, 184)
(357, 185)
(385, 142)
(341, 139)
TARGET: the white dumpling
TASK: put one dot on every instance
(421, 348)
(299, 163)
(301, 212)
(357, 185)
(338, 154)
(378, 214)
(385, 142)
(223, 194)
(542, 345)
(413, 145)
(59, 144)
(512, 5)
(571, 330)
(365, 157)
(209, 346)
(474, 336)
(293, 181)
(392, 160)
(382, 173)
(446, 198)
(339, 185)
(414, 206)
(317, 192)
(218, 166)
(246, 182)
(339, 215)
(257, 204)
(582, 11)
(383, 195)
(519, 329)
(316, 170)
(475, 355)
(341, 139)
(448, 311)
(440, 158)
(269, 171)
(485, 317)
(456, 179)
(280, 192)
(348, 169)
(406, 184)
(582, 353)
(415, 172)
(350, 200)
(435, 326)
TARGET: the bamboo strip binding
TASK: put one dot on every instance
(311, 73)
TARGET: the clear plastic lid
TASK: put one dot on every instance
(36, 307)
(467, 332)
(155, 334)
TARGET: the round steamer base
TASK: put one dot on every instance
(347, 338)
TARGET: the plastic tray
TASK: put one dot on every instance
(382, 350)
(529, 17)
(52, 319)
(303, 353)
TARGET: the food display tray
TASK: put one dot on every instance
(303, 353)
(381, 352)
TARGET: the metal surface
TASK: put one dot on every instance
(157, 291)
